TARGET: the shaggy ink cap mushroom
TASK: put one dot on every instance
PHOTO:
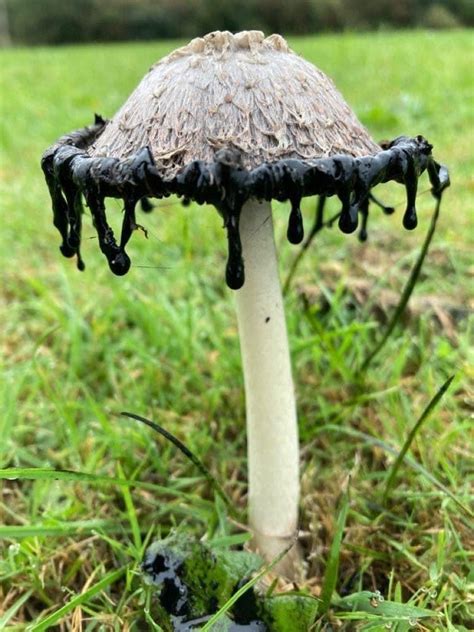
(235, 121)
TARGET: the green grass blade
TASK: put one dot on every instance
(411, 435)
(13, 609)
(50, 474)
(332, 567)
(52, 530)
(188, 454)
(407, 291)
(83, 597)
(132, 514)
(373, 603)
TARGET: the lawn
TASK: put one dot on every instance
(78, 348)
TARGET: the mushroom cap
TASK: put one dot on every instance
(234, 90)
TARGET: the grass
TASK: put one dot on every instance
(162, 342)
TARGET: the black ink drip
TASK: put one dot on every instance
(364, 211)
(71, 174)
(295, 232)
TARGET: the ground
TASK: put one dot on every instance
(77, 348)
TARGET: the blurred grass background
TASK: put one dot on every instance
(79, 347)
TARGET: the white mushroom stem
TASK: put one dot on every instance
(272, 431)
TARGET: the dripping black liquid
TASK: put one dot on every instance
(72, 175)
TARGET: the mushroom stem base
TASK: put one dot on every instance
(272, 431)
(292, 565)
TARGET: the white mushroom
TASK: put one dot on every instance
(254, 94)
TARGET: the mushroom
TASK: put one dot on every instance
(237, 120)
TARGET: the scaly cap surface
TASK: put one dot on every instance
(234, 90)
